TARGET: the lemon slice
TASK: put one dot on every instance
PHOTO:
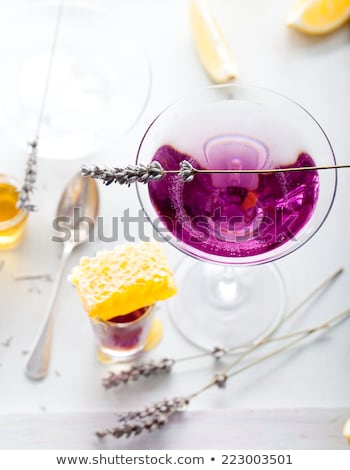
(318, 16)
(346, 430)
(211, 45)
(155, 335)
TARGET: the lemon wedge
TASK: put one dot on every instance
(346, 430)
(155, 335)
(319, 16)
(211, 45)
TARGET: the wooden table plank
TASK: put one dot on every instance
(230, 429)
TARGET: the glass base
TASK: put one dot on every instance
(108, 356)
(220, 306)
(111, 356)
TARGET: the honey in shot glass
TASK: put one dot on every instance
(12, 219)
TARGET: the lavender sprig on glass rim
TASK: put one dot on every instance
(155, 172)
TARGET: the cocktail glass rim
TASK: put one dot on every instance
(246, 260)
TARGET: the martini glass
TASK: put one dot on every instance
(99, 83)
(232, 226)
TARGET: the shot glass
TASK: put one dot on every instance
(123, 338)
(12, 219)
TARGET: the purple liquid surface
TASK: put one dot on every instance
(128, 337)
(234, 215)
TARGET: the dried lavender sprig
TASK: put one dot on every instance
(165, 406)
(29, 179)
(155, 172)
(147, 369)
(152, 368)
(148, 419)
(127, 175)
(135, 426)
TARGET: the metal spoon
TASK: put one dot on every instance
(79, 199)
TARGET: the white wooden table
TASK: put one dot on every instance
(297, 400)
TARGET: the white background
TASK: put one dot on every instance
(297, 400)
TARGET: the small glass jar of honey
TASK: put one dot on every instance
(12, 219)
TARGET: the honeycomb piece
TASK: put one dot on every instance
(117, 282)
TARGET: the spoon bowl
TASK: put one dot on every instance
(79, 205)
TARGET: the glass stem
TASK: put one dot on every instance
(223, 287)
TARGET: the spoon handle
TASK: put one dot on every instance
(39, 359)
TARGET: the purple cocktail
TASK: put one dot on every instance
(235, 221)
(234, 215)
(123, 336)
